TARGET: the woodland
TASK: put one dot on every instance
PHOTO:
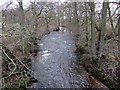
(94, 25)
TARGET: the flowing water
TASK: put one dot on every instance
(56, 64)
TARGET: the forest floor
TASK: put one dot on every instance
(17, 66)
(104, 69)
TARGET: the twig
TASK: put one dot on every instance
(18, 60)
(22, 63)
(113, 13)
(12, 63)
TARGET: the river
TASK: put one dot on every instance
(56, 65)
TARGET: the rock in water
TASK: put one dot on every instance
(56, 64)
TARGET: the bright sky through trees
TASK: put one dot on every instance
(26, 3)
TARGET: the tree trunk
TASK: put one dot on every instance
(86, 23)
(119, 37)
(76, 23)
(103, 25)
(21, 13)
(111, 21)
(21, 19)
(58, 17)
(113, 43)
(47, 22)
(80, 23)
(118, 52)
(93, 31)
(35, 16)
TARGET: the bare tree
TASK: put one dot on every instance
(119, 51)
(36, 15)
(111, 21)
(35, 18)
(58, 16)
(93, 31)
(80, 10)
(119, 37)
(103, 26)
(76, 22)
(21, 13)
(21, 20)
(86, 23)
(48, 15)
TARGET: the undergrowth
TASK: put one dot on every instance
(16, 72)
(93, 67)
